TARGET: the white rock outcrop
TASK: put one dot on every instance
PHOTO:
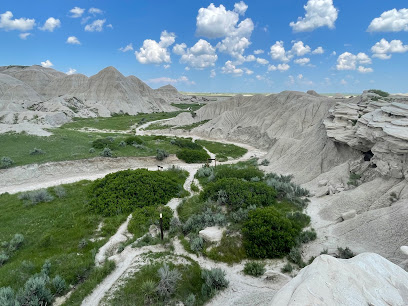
(367, 279)
(212, 234)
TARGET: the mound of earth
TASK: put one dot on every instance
(367, 279)
(38, 95)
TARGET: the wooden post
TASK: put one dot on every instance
(161, 226)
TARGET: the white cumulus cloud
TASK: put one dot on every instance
(71, 71)
(22, 24)
(280, 67)
(259, 51)
(319, 13)
(94, 11)
(153, 52)
(262, 61)
(95, 26)
(349, 61)
(76, 12)
(180, 49)
(302, 61)
(24, 35)
(167, 80)
(129, 47)
(199, 56)
(213, 73)
(230, 68)
(299, 49)
(51, 24)
(362, 69)
(47, 64)
(390, 21)
(383, 48)
(278, 52)
(73, 40)
(318, 50)
(240, 7)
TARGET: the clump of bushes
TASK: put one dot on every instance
(102, 143)
(131, 140)
(186, 144)
(36, 151)
(268, 234)
(196, 244)
(106, 152)
(214, 280)
(205, 219)
(265, 162)
(36, 196)
(239, 193)
(345, 253)
(6, 162)
(161, 154)
(254, 268)
(168, 281)
(379, 92)
(287, 268)
(353, 179)
(144, 217)
(123, 191)
(60, 192)
(193, 156)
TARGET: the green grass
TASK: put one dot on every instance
(122, 123)
(189, 127)
(189, 207)
(52, 231)
(131, 294)
(73, 145)
(229, 251)
(96, 276)
(194, 107)
(158, 126)
(222, 150)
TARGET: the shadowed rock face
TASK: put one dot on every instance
(367, 279)
(26, 89)
(377, 126)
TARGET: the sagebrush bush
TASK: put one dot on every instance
(123, 191)
(6, 162)
(345, 253)
(36, 196)
(60, 192)
(268, 234)
(161, 154)
(7, 296)
(168, 281)
(214, 280)
(92, 150)
(204, 171)
(3, 258)
(58, 285)
(239, 193)
(106, 152)
(254, 268)
(82, 244)
(133, 140)
(122, 144)
(295, 256)
(379, 92)
(190, 300)
(35, 292)
(298, 219)
(193, 156)
(241, 214)
(287, 268)
(101, 143)
(186, 144)
(15, 243)
(307, 236)
(265, 162)
(200, 221)
(196, 244)
(36, 151)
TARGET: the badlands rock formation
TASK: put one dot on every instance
(367, 279)
(289, 125)
(45, 96)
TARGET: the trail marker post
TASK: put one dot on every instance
(161, 226)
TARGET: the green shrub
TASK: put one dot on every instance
(241, 214)
(133, 140)
(35, 292)
(168, 281)
(240, 193)
(82, 244)
(106, 152)
(353, 179)
(265, 162)
(144, 217)
(161, 154)
(230, 249)
(307, 236)
(288, 268)
(196, 244)
(122, 144)
(205, 219)
(205, 171)
(148, 289)
(3, 258)
(345, 253)
(214, 280)
(295, 256)
(60, 192)
(191, 300)
(268, 234)
(193, 156)
(36, 151)
(234, 171)
(381, 93)
(101, 143)
(299, 220)
(6, 162)
(15, 243)
(254, 268)
(123, 191)
(36, 196)
(186, 144)
(7, 296)
(58, 285)
(92, 150)
(194, 187)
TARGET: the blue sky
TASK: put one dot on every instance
(216, 46)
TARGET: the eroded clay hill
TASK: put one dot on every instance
(41, 95)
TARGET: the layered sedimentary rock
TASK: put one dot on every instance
(45, 96)
(367, 279)
(375, 125)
